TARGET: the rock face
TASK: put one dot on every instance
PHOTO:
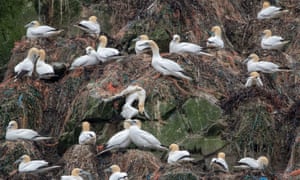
(213, 112)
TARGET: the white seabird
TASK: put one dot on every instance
(139, 48)
(86, 136)
(175, 155)
(272, 42)
(164, 65)
(13, 133)
(268, 11)
(35, 30)
(91, 58)
(27, 65)
(176, 46)
(76, 174)
(253, 64)
(220, 161)
(259, 164)
(43, 69)
(254, 79)
(91, 26)
(116, 173)
(215, 40)
(141, 138)
(105, 52)
(35, 166)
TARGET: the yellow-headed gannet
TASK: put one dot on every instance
(247, 162)
(272, 42)
(119, 140)
(76, 174)
(91, 58)
(176, 46)
(220, 161)
(139, 48)
(116, 173)
(35, 30)
(268, 11)
(141, 138)
(105, 52)
(175, 155)
(44, 70)
(215, 40)
(91, 26)
(86, 136)
(13, 133)
(26, 66)
(253, 64)
(163, 65)
(254, 79)
(35, 166)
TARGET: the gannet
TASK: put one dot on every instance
(268, 11)
(254, 79)
(116, 173)
(35, 30)
(105, 52)
(176, 46)
(253, 64)
(91, 26)
(119, 140)
(75, 175)
(220, 161)
(35, 166)
(272, 42)
(91, 58)
(163, 65)
(141, 138)
(139, 48)
(247, 162)
(26, 66)
(215, 40)
(175, 155)
(43, 69)
(13, 133)
(86, 136)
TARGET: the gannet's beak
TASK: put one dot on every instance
(136, 39)
(27, 25)
(246, 60)
(85, 172)
(108, 170)
(18, 161)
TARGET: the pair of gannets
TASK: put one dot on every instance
(13, 133)
(175, 155)
(35, 30)
(272, 42)
(91, 58)
(76, 175)
(87, 136)
(90, 26)
(268, 11)
(116, 173)
(33, 166)
(254, 79)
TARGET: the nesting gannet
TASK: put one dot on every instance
(35, 30)
(268, 11)
(13, 133)
(176, 46)
(26, 66)
(91, 58)
(175, 155)
(139, 48)
(247, 162)
(119, 140)
(75, 175)
(272, 42)
(141, 138)
(105, 52)
(43, 69)
(116, 173)
(220, 161)
(86, 136)
(215, 40)
(253, 64)
(35, 166)
(91, 26)
(163, 65)
(254, 79)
